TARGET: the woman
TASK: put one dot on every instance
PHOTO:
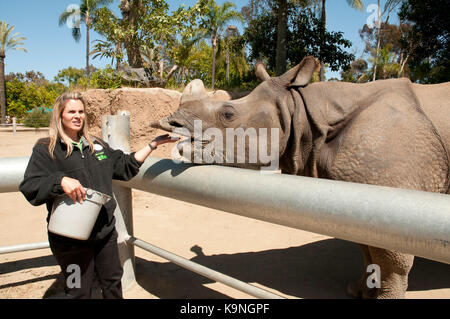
(69, 160)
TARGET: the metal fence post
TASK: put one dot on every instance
(116, 132)
(14, 124)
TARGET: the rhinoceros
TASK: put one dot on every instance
(389, 132)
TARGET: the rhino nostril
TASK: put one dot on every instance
(175, 123)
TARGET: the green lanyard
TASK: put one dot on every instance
(79, 145)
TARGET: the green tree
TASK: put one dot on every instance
(355, 71)
(181, 53)
(107, 24)
(7, 41)
(32, 90)
(82, 13)
(356, 4)
(150, 34)
(385, 63)
(389, 6)
(429, 60)
(199, 62)
(303, 38)
(232, 61)
(213, 23)
(282, 13)
(387, 35)
(69, 75)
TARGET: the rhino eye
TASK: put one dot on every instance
(228, 115)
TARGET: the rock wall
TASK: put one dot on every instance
(145, 106)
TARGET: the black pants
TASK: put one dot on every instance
(81, 261)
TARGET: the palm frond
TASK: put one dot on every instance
(63, 17)
(356, 4)
(8, 40)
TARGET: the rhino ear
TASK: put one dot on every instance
(301, 74)
(195, 90)
(261, 72)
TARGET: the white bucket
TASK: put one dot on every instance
(76, 220)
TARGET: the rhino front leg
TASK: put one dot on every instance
(358, 289)
(394, 269)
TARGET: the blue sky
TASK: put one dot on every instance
(52, 48)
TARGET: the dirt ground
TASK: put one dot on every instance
(289, 262)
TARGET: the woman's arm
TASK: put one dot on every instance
(41, 180)
(144, 152)
(127, 166)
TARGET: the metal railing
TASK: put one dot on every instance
(408, 221)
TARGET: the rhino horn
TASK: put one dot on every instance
(301, 74)
(195, 90)
(260, 71)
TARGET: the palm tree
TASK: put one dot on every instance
(389, 6)
(232, 57)
(182, 52)
(7, 41)
(355, 4)
(213, 23)
(282, 27)
(280, 56)
(109, 50)
(86, 11)
(231, 32)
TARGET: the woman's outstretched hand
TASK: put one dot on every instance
(166, 138)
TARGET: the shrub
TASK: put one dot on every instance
(106, 79)
(38, 117)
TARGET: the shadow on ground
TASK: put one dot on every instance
(316, 270)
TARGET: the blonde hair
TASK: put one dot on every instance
(56, 130)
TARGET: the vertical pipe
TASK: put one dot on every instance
(116, 132)
(14, 123)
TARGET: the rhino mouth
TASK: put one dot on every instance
(167, 125)
(176, 127)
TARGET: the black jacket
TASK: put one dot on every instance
(42, 179)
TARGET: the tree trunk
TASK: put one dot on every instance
(130, 10)
(280, 59)
(322, 45)
(228, 66)
(213, 73)
(118, 51)
(87, 51)
(378, 43)
(170, 74)
(134, 55)
(402, 69)
(2, 88)
(161, 69)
